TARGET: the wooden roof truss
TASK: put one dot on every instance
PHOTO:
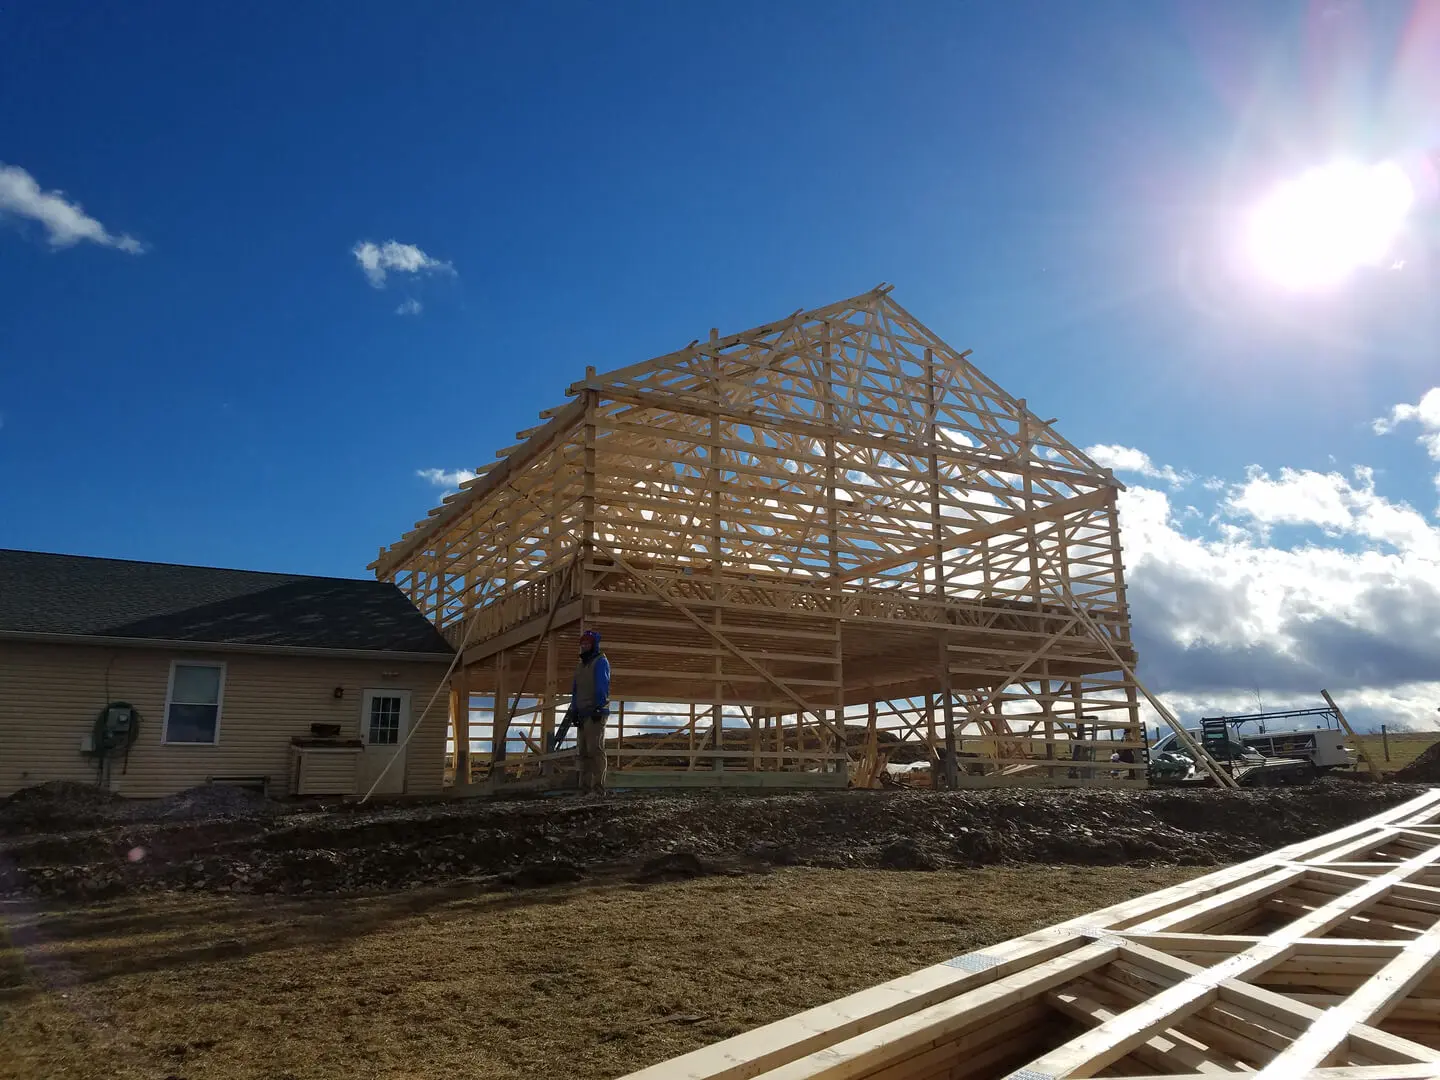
(770, 493)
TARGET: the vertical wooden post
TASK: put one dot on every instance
(1047, 708)
(552, 692)
(1027, 472)
(717, 714)
(1385, 739)
(717, 559)
(952, 763)
(872, 746)
(620, 736)
(933, 735)
(587, 507)
(500, 725)
(1085, 753)
(832, 540)
(460, 723)
(933, 434)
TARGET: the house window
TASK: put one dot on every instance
(384, 721)
(192, 708)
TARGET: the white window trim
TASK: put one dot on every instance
(170, 696)
(406, 697)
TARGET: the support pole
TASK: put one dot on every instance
(1359, 742)
(460, 725)
(500, 725)
(552, 691)
(952, 764)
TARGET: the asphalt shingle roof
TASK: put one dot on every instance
(76, 594)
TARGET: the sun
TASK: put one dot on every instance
(1313, 232)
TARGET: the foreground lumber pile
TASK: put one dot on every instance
(1321, 960)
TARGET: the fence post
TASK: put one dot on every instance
(1385, 740)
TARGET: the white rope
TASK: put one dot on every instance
(464, 707)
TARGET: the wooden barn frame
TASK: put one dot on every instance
(805, 545)
(1320, 961)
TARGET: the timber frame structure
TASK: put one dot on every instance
(1320, 961)
(829, 521)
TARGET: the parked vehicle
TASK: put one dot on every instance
(1323, 745)
(1172, 764)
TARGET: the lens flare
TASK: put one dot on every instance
(1314, 232)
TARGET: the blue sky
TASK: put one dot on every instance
(211, 377)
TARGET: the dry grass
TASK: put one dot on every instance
(1405, 747)
(574, 982)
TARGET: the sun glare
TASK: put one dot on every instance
(1313, 232)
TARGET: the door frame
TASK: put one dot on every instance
(369, 694)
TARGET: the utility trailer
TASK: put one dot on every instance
(1172, 766)
(1323, 745)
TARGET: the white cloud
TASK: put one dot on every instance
(65, 222)
(441, 478)
(1220, 617)
(410, 307)
(1425, 413)
(378, 260)
(1128, 459)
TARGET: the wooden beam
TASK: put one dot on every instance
(1145, 1010)
(544, 440)
(971, 537)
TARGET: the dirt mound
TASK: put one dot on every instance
(223, 840)
(56, 801)
(1425, 769)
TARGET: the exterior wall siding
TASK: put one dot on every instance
(51, 695)
(320, 772)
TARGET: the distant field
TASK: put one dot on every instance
(1405, 747)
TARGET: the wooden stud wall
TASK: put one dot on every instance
(781, 527)
(1319, 961)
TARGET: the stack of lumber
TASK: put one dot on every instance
(1320, 960)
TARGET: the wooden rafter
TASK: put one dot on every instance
(809, 503)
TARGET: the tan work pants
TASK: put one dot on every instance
(591, 740)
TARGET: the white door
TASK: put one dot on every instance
(384, 723)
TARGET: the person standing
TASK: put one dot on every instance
(590, 705)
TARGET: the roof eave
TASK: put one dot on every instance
(180, 644)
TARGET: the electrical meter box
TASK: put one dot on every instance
(119, 719)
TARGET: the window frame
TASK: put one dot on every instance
(367, 698)
(165, 739)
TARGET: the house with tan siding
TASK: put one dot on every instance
(150, 678)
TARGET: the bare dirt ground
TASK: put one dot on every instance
(570, 982)
(82, 844)
(215, 935)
